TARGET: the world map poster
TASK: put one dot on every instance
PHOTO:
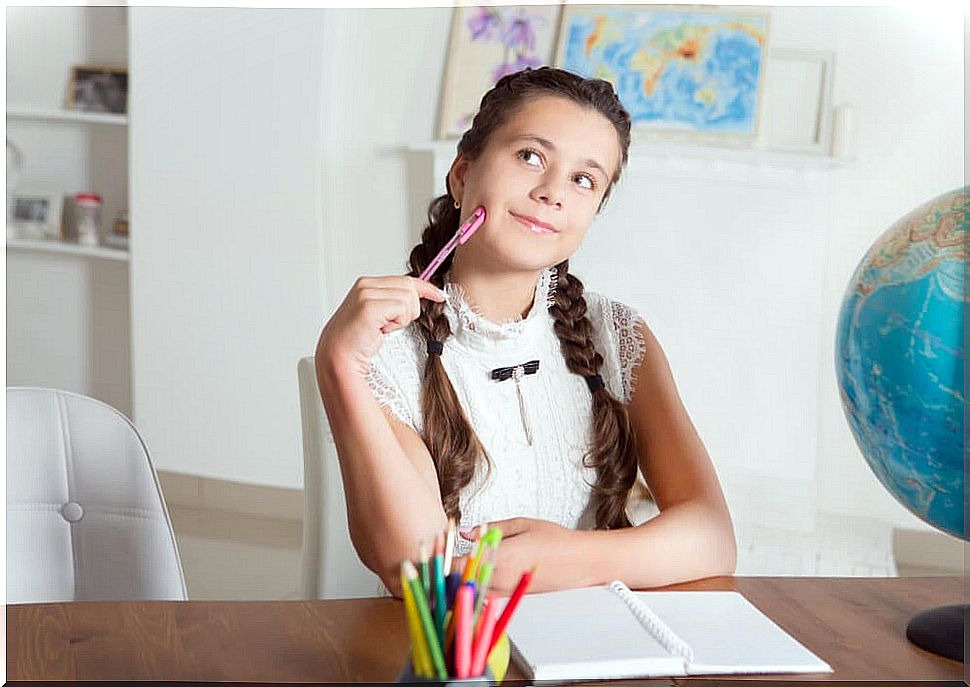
(674, 70)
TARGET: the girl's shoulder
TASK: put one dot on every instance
(394, 376)
(619, 339)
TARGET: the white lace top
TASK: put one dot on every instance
(544, 479)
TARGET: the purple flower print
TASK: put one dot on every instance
(519, 35)
(483, 24)
(520, 63)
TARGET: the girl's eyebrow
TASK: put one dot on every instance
(546, 143)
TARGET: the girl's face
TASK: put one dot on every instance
(541, 178)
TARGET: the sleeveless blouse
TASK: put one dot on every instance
(536, 427)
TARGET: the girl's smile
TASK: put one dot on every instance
(534, 225)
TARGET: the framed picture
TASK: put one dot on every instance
(36, 213)
(486, 44)
(682, 72)
(798, 97)
(98, 89)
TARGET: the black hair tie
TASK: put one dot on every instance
(594, 382)
(435, 347)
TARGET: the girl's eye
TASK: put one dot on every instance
(525, 153)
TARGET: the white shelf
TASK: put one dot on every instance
(58, 246)
(649, 152)
(66, 116)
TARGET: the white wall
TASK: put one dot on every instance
(695, 269)
(67, 316)
(215, 349)
(226, 195)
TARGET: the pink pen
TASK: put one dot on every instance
(464, 233)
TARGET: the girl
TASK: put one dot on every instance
(502, 393)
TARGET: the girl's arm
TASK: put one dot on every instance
(390, 484)
(692, 537)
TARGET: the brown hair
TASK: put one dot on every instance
(452, 442)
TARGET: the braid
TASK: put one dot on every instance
(454, 447)
(453, 444)
(614, 452)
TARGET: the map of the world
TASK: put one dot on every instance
(689, 71)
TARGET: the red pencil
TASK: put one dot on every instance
(510, 607)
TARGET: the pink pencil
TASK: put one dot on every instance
(483, 636)
(464, 233)
(463, 631)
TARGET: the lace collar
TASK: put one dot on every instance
(470, 328)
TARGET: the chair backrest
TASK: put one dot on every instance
(331, 568)
(86, 519)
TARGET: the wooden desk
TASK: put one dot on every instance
(857, 625)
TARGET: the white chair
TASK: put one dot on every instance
(85, 515)
(331, 568)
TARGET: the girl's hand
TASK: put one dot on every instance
(527, 542)
(374, 306)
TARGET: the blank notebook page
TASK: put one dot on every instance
(600, 632)
(728, 634)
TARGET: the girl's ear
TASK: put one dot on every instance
(456, 175)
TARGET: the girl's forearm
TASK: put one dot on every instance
(684, 542)
(390, 506)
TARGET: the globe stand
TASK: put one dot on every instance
(939, 630)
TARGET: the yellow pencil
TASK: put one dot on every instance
(410, 575)
(421, 658)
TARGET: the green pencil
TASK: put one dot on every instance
(411, 575)
(438, 580)
(425, 574)
(490, 541)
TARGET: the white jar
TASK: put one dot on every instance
(88, 218)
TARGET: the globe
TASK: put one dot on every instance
(900, 359)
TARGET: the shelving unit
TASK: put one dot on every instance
(52, 115)
(67, 247)
(68, 322)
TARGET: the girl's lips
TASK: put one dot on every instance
(535, 228)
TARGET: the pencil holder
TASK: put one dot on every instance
(407, 675)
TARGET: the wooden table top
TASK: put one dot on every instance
(856, 625)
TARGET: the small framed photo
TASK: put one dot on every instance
(686, 73)
(798, 97)
(98, 89)
(486, 44)
(36, 213)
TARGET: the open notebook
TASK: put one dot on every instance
(611, 632)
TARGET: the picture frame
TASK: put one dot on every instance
(486, 43)
(664, 64)
(36, 213)
(798, 100)
(98, 89)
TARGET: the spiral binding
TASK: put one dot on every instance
(652, 623)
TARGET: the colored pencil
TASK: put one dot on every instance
(440, 600)
(463, 633)
(491, 542)
(471, 565)
(449, 545)
(511, 605)
(420, 658)
(421, 601)
(483, 636)
(423, 557)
